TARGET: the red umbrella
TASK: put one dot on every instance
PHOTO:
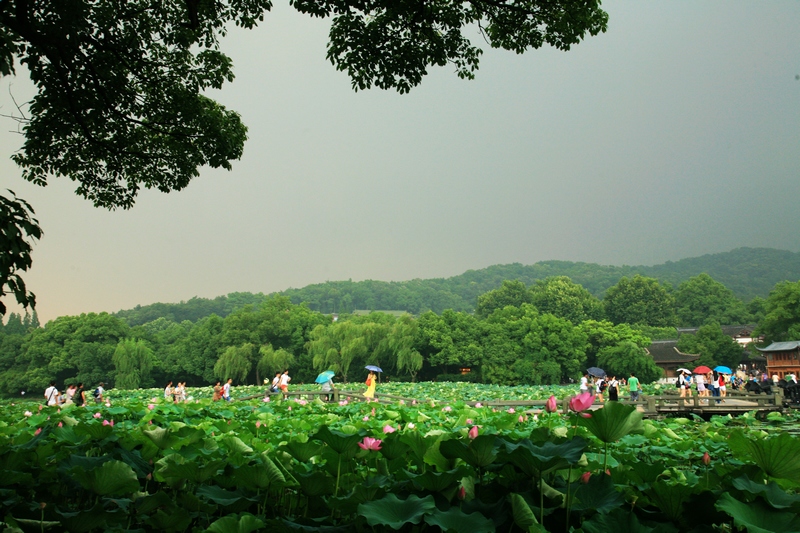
(701, 370)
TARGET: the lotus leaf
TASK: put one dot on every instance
(479, 453)
(454, 519)
(614, 421)
(757, 517)
(246, 523)
(779, 456)
(395, 513)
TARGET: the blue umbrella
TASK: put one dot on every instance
(325, 376)
(596, 372)
(373, 368)
(723, 370)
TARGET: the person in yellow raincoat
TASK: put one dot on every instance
(371, 383)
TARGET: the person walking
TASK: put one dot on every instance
(217, 396)
(79, 398)
(51, 394)
(169, 392)
(283, 383)
(226, 390)
(634, 387)
(98, 393)
(613, 389)
(371, 384)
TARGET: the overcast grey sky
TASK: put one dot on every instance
(674, 134)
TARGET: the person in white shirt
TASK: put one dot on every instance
(585, 383)
(284, 383)
(51, 394)
(226, 390)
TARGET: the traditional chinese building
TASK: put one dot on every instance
(667, 357)
(783, 358)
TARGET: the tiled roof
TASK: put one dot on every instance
(787, 346)
(667, 352)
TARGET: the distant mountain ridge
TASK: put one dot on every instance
(748, 272)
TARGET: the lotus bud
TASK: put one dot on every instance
(552, 405)
(585, 477)
(473, 432)
(462, 492)
(706, 459)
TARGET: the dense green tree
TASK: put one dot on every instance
(194, 353)
(133, 360)
(640, 300)
(701, 299)
(235, 363)
(626, 357)
(512, 292)
(715, 348)
(452, 339)
(782, 313)
(560, 296)
(603, 334)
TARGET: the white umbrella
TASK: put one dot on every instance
(686, 370)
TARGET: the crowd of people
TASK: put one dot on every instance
(73, 395)
(611, 386)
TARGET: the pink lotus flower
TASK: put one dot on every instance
(511, 410)
(149, 422)
(521, 419)
(38, 430)
(266, 399)
(706, 459)
(410, 425)
(388, 429)
(28, 413)
(462, 492)
(370, 444)
(473, 432)
(258, 423)
(413, 402)
(469, 421)
(108, 404)
(585, 477)
(61, 424)
(106, 423)
(552, 405)
(581, 402)
(365, 419)
(97, 415)
(478, 404)
(342, 402)
(151, 406)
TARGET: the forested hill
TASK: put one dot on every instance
(748, 272)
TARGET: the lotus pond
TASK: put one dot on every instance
(140, 464)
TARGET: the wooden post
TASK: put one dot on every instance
(651, 404)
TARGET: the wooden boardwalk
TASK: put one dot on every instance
(659, 406)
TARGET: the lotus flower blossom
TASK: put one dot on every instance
(97, 415)
(410, 425)
(521, 419)
(447, 408)
(478, 404)
(108, 404)
(706, 459)
(469, 421)
(266, 399)
(107, 423)
(370, 444)
(258, 423)
(581, 402)
(473, 432)
(462, 492)
(388, 429)
(151, 406)
(289, 408)
(511, 410)
(38, 430)
(585, 477)
(342, 402)
(552, 405)
(28, 413)
(61, 424)
(365, 419)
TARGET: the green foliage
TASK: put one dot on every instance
(602, 335)
(17, 229)
(235, 362)
(701, 299)
(560, 296)
(640, 300)
(628, 357)
(133, 360)
(715, 348)
(273, 361)
(782, 313)
(512, 293)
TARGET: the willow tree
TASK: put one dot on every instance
(235, 362)
(336, 346)
(402, 342)
(272, 361)
(133, 361)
